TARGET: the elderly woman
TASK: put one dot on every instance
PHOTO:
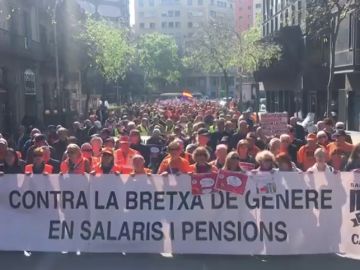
(38, 166)
(285, 164)
(174, 164)
(75, 163)
(243, 151)
(201, 157)
(138, 163)
(232, 162)
(320, 164)
(266, 161)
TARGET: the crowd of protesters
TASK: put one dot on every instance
(174, 138)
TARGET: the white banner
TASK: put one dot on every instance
(280, 213)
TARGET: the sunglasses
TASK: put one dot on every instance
(235, 158)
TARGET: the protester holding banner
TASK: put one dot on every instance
(220, 153)
(232, 162)
(320, 164)
(243, 151)
(107, 164)
(138, 163)
(174, 164)
(75, 163)
(201, 157)
(266, 161)
(38, 166)
(12, 163)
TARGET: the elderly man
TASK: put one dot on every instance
(220, 153)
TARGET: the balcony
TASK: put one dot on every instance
(20, 46)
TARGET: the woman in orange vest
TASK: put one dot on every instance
(87, 152)
(106, 165)
(75, 163)
(201, 157)
(38, 165)
(175, 164)
(124, 155)
(138, 162)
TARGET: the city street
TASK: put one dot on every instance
(17, 261)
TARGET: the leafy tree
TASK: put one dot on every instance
(323, 20)
(109, 48)
(157, 56)
(217, 47)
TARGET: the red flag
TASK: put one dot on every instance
(234, 182)
(203, 183)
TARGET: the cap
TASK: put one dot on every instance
(311, 137)
(203, 131)
(340, 125)
(108, 151)
(124, 139)
(339, 132)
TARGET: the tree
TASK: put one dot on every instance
(157, 56)
(217, 47)
(212, 50)
(323, 20)
(109, 48)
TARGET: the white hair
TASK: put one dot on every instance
(221, 146)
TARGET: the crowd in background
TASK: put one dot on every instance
(174, 138)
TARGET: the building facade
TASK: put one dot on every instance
(244, 14)
(346, 97)
(27, 73)
(181, 19)
(297, 82)
(116, 11)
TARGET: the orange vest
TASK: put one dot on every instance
(146, 171)
(114, 169)
(78, 169)
(125, 162)
(47, 168)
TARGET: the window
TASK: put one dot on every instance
(142, 25)
(152, 3)
(170, 13)
(141, 14)
(141, 3)
(212, 2)
(212, 13)
(200, 2)
(258, 6)
(177, 24)
(152, 25)
(189, 2)
(190, 24)
(177, 13)
(163, 25)
(29, 82)
(164, 14)
(171, 24)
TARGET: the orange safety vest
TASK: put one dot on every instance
(146, 171)
(114, 169)
(125, 162)
(47, 169)
(78, 169)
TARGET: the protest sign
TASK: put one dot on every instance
(230, 181)
(308, 214)
(274, 123)
(203, 183)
